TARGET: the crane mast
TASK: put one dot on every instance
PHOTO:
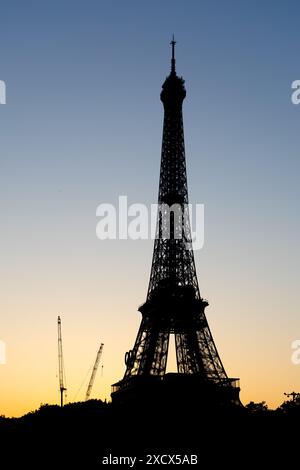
(91, 382)
(62, 387)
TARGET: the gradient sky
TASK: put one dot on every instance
(83, 125)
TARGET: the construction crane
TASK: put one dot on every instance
(62, 378)
(91, 382)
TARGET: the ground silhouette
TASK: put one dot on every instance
(84, 433)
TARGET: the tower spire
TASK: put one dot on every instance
(173, 42)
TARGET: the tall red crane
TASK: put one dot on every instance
(62, 376)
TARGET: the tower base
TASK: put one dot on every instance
(173, 388)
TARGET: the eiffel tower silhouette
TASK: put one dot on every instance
(174, 304)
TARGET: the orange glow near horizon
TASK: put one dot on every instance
(261, 358)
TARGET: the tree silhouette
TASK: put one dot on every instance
(260, 407)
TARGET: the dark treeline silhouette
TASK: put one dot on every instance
(86, 432)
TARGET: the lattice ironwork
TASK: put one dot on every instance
(174, 304)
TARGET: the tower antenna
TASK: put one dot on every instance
(173, 43)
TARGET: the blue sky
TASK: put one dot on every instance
(83, 125)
